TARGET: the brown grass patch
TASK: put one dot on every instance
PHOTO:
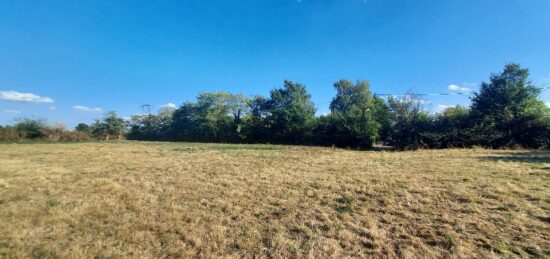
(136, 199)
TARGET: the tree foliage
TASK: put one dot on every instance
(215, 117)
(109, 127)
(451, 128)
(506, 112)
(410, 122)
(33, 129)
(82, 127)
(354, 120)
(290, 114)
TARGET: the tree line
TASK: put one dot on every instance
(505, 112)
(109, 128)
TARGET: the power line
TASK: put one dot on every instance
(423, 94)
(431, 94)
(439, 94)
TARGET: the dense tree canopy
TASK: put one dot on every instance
(506, 112)
(82, 127)
(215, 117)
(290, 114)
(353, 121)
(111, 126)
(410, 122)
(31, 129)
(451, 128)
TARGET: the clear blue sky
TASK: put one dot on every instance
(117, 55)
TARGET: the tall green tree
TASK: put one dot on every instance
(410, 122)
(220, 115)
(83, 127)
(183, 126)
(382, 115)
(215, 117)
(353, 118)
(451, 128)
(152, 126)
(507, 111)
(109, 127)
(256, 126)
(30, 128)
(291, 114)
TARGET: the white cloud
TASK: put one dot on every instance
(169, 105)
(443, 106)
(24, 97)
(13, 111)
(86, 109)
(454, 87)
(458, 88)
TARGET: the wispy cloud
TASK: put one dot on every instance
(169, 105)
(454, 87)
(442, 107)
(15, 96)
(413, 99)
(82, 108)
(13, 111)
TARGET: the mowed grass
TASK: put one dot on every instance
(136, 200)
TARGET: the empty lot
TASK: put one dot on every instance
(140, 199)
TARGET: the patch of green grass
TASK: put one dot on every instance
(4, 245)
(345, 204)
(450, 241)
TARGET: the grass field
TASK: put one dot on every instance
(153, 200)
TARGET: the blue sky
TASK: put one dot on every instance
(71, 61)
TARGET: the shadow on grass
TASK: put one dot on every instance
(382, 148)
(523, 157)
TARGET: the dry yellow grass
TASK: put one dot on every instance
(208, 200)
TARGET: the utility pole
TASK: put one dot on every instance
(145, 109)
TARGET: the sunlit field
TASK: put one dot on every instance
(158, 200)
